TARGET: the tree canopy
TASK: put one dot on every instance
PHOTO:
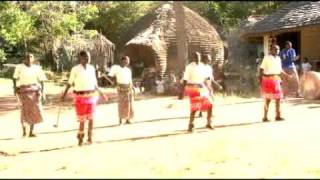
(35, 26)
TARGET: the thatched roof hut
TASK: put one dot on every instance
(292, 17)
(298, 22)
(154, 40)
(100, 48)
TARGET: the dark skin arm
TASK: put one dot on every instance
(15, 89)
(96, 88)
(108, 78)
(65, 92)
(101, 93)
(260, 75)
(184, 83)
(42, 87)
(207, 83)
(262, 71)
(216, 84)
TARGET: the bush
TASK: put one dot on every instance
(2, 56)
(7, 71)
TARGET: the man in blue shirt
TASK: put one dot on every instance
(288, 56)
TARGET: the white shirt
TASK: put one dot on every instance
(209, 71)
(160, 86)
(28, 75)
(83, 79)
(123, 74)
(271, 65)
(306, 67)
(195, 73)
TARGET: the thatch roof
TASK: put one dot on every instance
(295, 15)
(100, 48)
(156, 33)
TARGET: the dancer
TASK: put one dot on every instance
(196, 84)
(123, 79)
(270, 80)
(29, 90)
(84, 81)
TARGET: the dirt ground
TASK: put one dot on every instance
(156, 144)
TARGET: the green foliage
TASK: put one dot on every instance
(228, 14)
(2, 56)
(86, 13)
(116, 18)
(38, 26)
(58, 19)
(16, 26)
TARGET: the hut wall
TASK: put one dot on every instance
(310, 43)
(160, 34)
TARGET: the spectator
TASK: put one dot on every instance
(305, 66)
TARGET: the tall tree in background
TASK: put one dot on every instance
(115, 19)
(182, 43)
(36, 26)
(16, 26)
(58, 20)
(228, 14)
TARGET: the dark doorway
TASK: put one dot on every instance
(140, 57)
(293, 37)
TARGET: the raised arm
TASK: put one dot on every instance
(70, 83)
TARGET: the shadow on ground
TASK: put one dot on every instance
(301, 101)
(170, 134)
(10, 103)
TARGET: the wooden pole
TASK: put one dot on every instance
(182, 42)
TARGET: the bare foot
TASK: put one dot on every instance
(32, 135)
(209, 126)
(128, 122)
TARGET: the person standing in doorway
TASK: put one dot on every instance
(306, 66)
(288, 56)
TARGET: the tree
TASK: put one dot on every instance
(116, 18)
(16, 26)
(229, 14)
(57, 20)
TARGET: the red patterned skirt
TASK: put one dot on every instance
(85, 105)
(199, 98)
(31, 107)
(271, 87)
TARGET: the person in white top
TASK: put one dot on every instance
(84, 81)
(28, 86)
(270, 80)
(206, 59)
(160, 85)
(306, 66)
(123, 79)
(196, 84)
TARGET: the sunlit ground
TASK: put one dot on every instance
(156, 144)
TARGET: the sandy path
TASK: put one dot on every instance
(157, 145)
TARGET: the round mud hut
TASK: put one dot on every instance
(153, 40)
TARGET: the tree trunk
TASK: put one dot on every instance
(25, 46)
